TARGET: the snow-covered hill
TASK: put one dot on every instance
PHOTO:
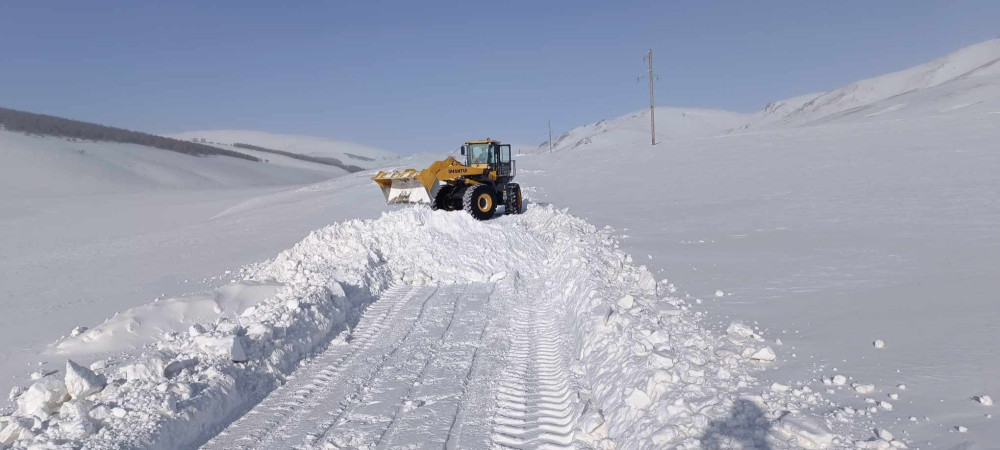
(347, 152)
(958, 80)
(41, 166)
(633, 129)
(978, 63)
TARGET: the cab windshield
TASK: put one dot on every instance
(480, 154)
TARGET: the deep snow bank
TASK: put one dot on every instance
(654, 375)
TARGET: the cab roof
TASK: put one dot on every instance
(485, 141)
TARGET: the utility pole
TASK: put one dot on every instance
(550, 136)
(652, 118)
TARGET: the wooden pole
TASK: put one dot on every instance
(652, 117)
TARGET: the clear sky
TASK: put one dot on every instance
(426, 75)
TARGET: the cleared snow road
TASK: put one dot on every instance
(431, 329)
(423, 367)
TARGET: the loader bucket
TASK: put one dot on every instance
(408, 186)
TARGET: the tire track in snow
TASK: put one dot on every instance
(303, 394)
(418, 391)
(473, 419)
(537, 406)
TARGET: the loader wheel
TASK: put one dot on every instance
(480, 201)
(515, 204)
(443, 199)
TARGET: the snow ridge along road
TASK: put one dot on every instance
(428, 328)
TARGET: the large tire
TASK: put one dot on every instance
(442, 200)
(514, 204)
(480, 201)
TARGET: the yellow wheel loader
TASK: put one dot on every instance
(478, 185)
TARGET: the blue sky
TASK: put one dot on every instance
(424, 76)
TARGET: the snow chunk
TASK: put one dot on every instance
(740, 330)
(15, 392)
(808, 432)
(591, 421)
(764, 354)
(149, 369)
(839, 380)
(626, 302)
(863, 388)
(637, 399)
(662, 359)
(961, 429)
(15, 430)
(985, 400)
(879, 343)
(43, 398)
(81, 381)
(665, 435)
(75, 420)
(719, 293)
(778, 387)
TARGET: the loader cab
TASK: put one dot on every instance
(491, 153)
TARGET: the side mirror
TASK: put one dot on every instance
(463, 150)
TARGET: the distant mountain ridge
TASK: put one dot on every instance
(350, 154)
(982, 59)
(43, 124)
(969, 75)
(316, 159)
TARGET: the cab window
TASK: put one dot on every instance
(480, 154)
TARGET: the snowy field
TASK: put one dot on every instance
(821, 274)
(878, 219)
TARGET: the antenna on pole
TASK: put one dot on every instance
(550, 136)
(652, 117)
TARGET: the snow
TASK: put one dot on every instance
(182, 383)
(147, 323)
(844, 227)
(829, 219)
(81, 381)
(42, 399)
(978, 60)
(764, 354)
(807, 432)
(90, 243)
(349, 153)
(36, 166)
(863, 388)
